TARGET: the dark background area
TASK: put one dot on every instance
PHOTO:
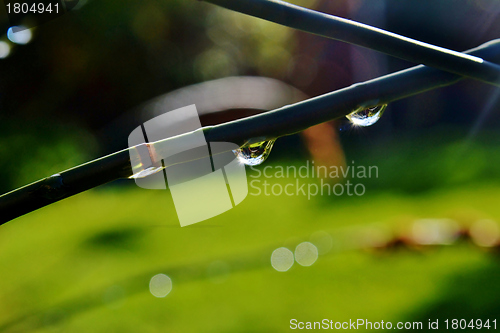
(60, 93)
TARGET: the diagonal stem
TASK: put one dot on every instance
(361, 34)
(265, 126)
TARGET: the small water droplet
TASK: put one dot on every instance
(254, 154)
(367, 116)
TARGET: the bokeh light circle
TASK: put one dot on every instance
(306, 254)
(282, 259)
(485, 233)
(160, 285)
(19, 37)
(4, 50)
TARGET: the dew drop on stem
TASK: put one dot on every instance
(254, 154)
(366, 116)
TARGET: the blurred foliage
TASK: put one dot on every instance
(112, 56)
(90, 66)
(40, 150)
(84, 264)
(96, 277)
(445, 157)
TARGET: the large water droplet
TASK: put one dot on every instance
(367, 116)
(256, 153)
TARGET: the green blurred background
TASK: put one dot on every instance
(85, 264)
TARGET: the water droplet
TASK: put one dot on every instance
(367, 116)
(256, 153)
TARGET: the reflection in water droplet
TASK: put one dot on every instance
(306, 254)
(160, 285)
(282, 259)
(256, 153)
(367, 116)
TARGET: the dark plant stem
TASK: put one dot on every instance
(364, 35)
(266, 126)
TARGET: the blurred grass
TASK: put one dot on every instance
(441, 157)
(40, 149)
(84, 264)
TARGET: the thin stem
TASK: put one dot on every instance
(299, 116)
(364, 35)
(65, 184)
(266, 126)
